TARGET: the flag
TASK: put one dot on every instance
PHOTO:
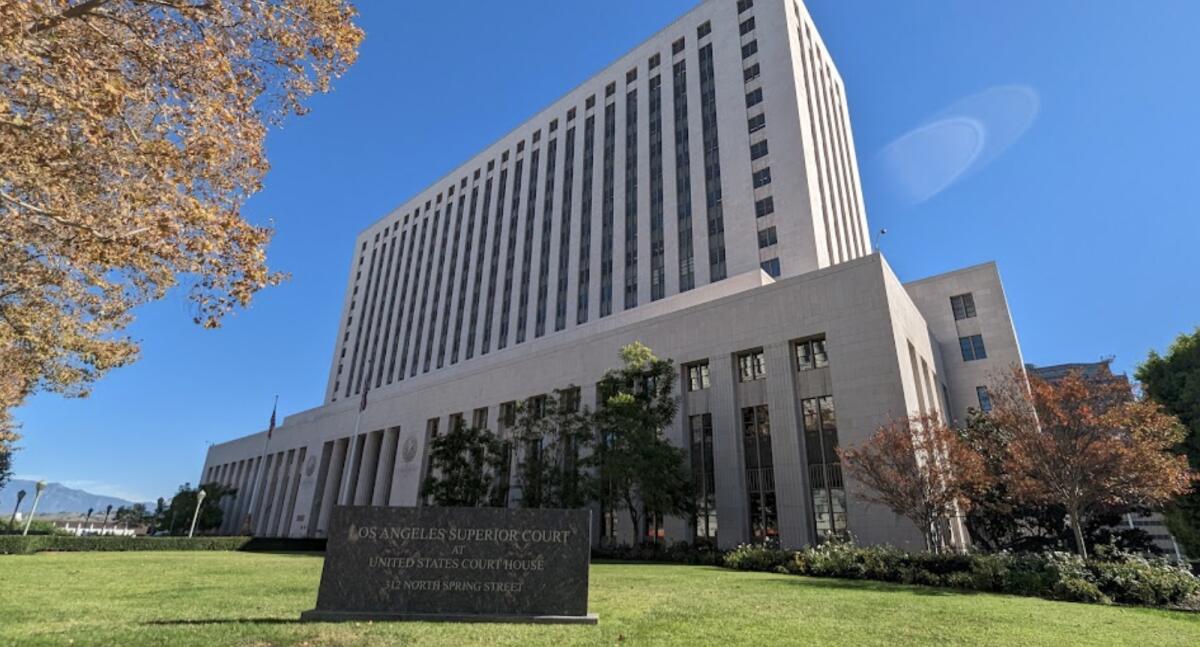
(271, 427)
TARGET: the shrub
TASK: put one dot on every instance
(1131, 579)
(1120, 578)
(676, 553)
(18, 545)
(748, 557)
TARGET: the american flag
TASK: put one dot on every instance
(271, 427)
(362, 404)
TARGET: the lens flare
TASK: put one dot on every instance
(956, 142)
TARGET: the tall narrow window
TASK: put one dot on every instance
(584, 268)
(606, 211)
(631, 187)
(527, 255)
(428, 274)
(480, 270)
(453, 265)
(657, 247)
(705, 525)
(824, 466)
(494, 262)
(514, 217)
(543, 288)
(712, 167)
(683, 179)
(464, 280)
(985, 399)
(564, 230)
(760, 475)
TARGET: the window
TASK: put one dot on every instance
(985, 400)
(749, 49)
(590, 103)
(697, 376)
(654, 61)
(457, 421)
(553, 125)
(705, 523)
(762, 178)
(743, 5)
(764, 207)
(747, 26)
(759, 150)
(750, 73)
(972, 348)
(756, 123)
(704, 30)
(677, 46)
(631, 75)
(766, 237)
(752, 366)
(754, 98)
(760, 474)
(508, 414)
(771, 267)
(571, 114)
(610, 89)
(824, 466)
(811, 354)
(963, 306)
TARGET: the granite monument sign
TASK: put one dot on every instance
(469, 564)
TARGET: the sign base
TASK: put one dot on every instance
(316, 615)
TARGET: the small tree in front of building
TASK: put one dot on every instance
(920, 469)
(464, 463)
(554, 433)
(1088, 447)
(637, 467)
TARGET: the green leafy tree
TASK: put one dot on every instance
(177, 518)
(555, 435)
(464, 463)
(1173, 380)
(133, 515)
(637, 467)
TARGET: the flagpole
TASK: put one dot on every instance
(262, 457)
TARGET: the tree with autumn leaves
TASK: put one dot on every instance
(920, 469)
(131, 135)
(1081, 444)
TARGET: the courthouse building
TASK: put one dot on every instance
(700, 195)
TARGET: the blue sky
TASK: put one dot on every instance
(1090, 212)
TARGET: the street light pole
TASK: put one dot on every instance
(12, 521)
(199, 501)
(41, 487)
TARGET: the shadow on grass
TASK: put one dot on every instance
(872, 585)
(222, 621)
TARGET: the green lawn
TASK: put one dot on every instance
(217, 598)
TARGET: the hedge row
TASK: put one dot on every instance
(1119, 578)
(22, 545)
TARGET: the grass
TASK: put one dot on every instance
(191, 598)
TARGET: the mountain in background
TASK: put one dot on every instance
(56, 498)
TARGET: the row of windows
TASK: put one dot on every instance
(379, 323)
(809, 354)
